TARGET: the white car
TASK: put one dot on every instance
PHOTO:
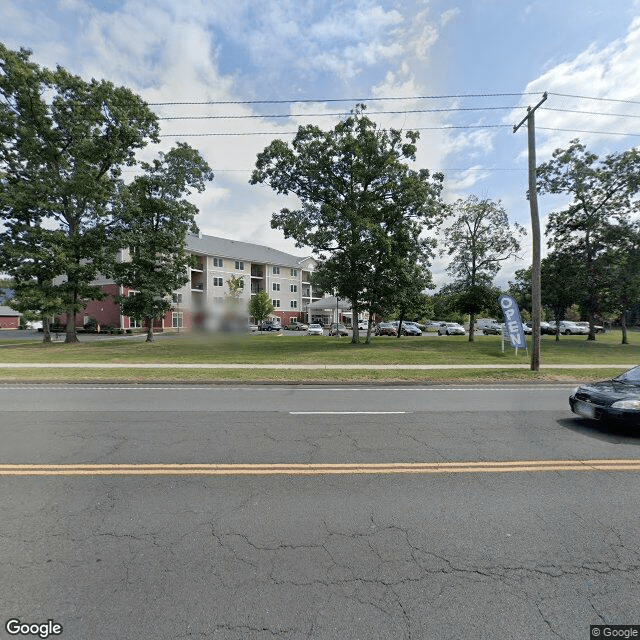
(315, 330)
(568, 328)
(452, 329)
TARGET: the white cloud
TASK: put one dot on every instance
(611, 72)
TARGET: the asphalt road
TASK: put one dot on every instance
(153, 513)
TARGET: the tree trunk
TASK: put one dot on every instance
(592, 329)
(472, 322)
(46, 331)
(400, 323)
(150, 337)
(72, 336)
(354, 322)
(625, 337)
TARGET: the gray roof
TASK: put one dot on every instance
(330, 302)
(233, 249)
(8, 311)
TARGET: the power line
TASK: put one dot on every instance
(573, 95)
(293, 133)
(322, 115)
(357, 100)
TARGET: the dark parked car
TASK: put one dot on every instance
(408, 328)
(341, 329)
(385, 329)
(270, 326)
(615, 400)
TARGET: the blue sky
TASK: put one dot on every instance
(301, 50)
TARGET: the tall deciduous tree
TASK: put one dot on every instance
(359, 200)
(479, 239)
(562, 281)
(153, 221)
(260, 306)
(64, 143)
(602, 197)
(622, 270)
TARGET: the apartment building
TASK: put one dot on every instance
(205, 299)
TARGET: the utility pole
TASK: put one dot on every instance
(536, 297)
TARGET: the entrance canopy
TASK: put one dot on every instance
(329, 304)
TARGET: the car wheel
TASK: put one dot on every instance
(567, 332)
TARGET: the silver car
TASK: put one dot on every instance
(451, 329)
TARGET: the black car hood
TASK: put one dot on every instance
(611, 390)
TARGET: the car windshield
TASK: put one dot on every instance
(633, 375)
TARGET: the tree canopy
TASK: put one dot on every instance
(362, 209)
(153, 220)
(478, 240)
(64, 144)
(602, 196)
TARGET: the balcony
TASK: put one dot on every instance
(199, 264)
(257, 271)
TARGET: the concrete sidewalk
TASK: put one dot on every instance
(342, 367)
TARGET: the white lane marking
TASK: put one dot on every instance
(350, 413)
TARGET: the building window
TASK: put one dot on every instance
(239, 265)
(134, 324)
(294, 273)
(177, 298)
(176, 319)
(218, 282)
(294, 288)
(276, 303)
(294, 304)
(276, 271)
(218, 262)
(276, 286)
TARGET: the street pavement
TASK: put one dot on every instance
(138, 511)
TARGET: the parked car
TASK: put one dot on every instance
(483, 323)
(596, 327)
(385, 329)
(546, 328)
(298, 326)
(408, 328)
(338, 329)
(315, 330)
(452, 329)
(495, 328)
(433, 325)
(567, 328)
(613, 400)
(270, 326)
(363, 325)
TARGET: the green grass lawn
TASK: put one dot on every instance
(278, 349)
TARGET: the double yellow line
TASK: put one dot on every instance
(284, 469)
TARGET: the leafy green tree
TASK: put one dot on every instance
(260, 306)
(64, 143)
(562, 281)
(520, 290)
(236, 287)
(153, 221)
(359, 200)
(622, 270)
(28, 253)
(602, 196)
(478, 241)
